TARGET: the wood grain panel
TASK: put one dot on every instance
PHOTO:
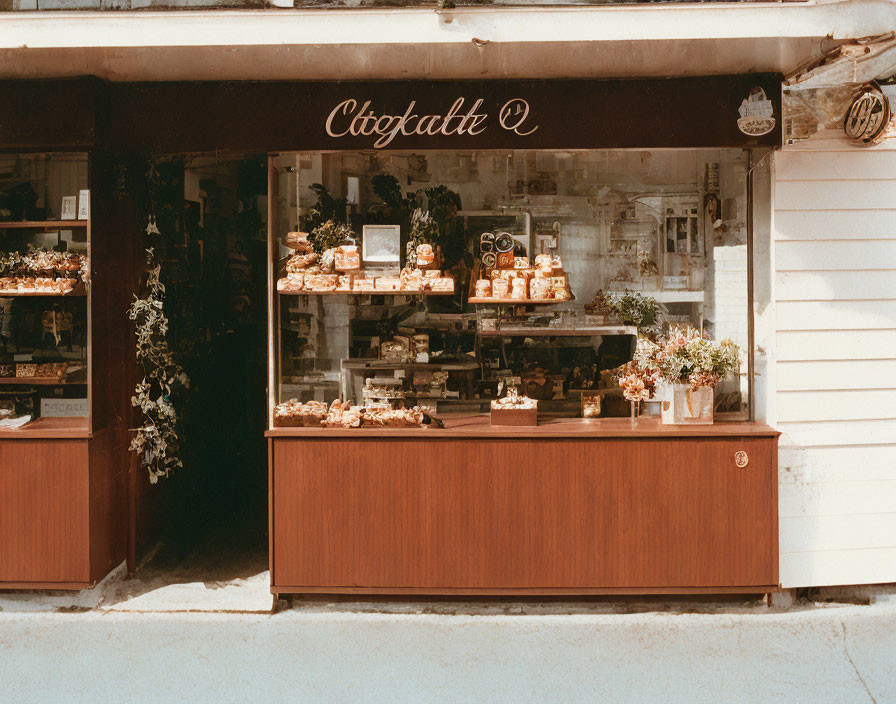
(835, 374)
(476, 425)
(834, 567)
(854, 165)
(869, 463)
(44, 521)
(835, 255)
(108, 503)
(831, 195)
(497, 515)
(808, 345)
(839, 433)
(846, 223)
(836, 285)
(836, 315)
(841, 405)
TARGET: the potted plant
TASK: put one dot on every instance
(633, 309)
(424, 251)
(326, 237)
(691, 365)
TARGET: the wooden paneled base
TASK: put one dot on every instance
(603, 515)
(47, 586)
(633, 591)
(61, 512)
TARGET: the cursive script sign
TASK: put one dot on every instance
(350, 117)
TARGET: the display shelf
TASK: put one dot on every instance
(69, 380)
(673, 296)
(518, 301)
(78, 291)
(352, 364)
(43, 224)
(561, 332)
(366, 293)
(49, 428)
(471, 425)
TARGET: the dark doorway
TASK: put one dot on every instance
(211, 212)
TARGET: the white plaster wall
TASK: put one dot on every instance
(834, 241)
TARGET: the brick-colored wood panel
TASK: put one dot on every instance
(44, 521)
(506, 515)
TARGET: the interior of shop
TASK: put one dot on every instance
(43, 288)
(594, 248)
(210, 211)
(599, 247)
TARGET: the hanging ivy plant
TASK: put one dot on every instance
(156, 440)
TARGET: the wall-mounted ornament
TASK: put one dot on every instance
(868, 116)
(757, 114)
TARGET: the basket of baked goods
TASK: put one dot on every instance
(514, 409)
(339, 414)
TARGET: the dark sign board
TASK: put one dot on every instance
(710, 112)
(560, 114)
(50, 114)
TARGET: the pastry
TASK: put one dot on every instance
(540, 289)
(26, 370)
(543, 264)
(347, 257)
(483, 288)
(325, 282)
(298, 241)
(297, 262)
(426, 255)
(344, 282)
(445, 283)
(387, 283)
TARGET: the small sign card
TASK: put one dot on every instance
(381, 244)
(84, 205)
(69, 205)
(63, 407)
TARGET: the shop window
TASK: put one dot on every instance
(664, 228)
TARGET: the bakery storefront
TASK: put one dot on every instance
(480, 295)
(509, 334)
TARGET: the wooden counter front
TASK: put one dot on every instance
(556, 509)
(63, 507)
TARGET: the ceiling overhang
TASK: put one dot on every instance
(394, 43)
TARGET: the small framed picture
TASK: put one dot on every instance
(381, 244)
(69, 208)
(84, 205)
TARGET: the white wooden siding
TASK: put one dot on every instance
(834, 250)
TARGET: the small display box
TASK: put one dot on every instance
(591, 404)
(514, 416)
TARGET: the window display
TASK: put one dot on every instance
(43, 288)
(458, 282)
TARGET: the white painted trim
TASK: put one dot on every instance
(836, 19)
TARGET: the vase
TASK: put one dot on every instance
(682, 405)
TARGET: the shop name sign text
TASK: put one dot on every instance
(348, 118)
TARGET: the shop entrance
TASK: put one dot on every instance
(210, 515)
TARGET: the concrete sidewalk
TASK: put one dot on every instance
(343, 652)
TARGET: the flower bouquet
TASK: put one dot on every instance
(691, 365)
(639, 378)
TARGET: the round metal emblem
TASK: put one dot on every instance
(741, 459)
(868, 116)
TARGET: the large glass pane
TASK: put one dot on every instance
(557, 259)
